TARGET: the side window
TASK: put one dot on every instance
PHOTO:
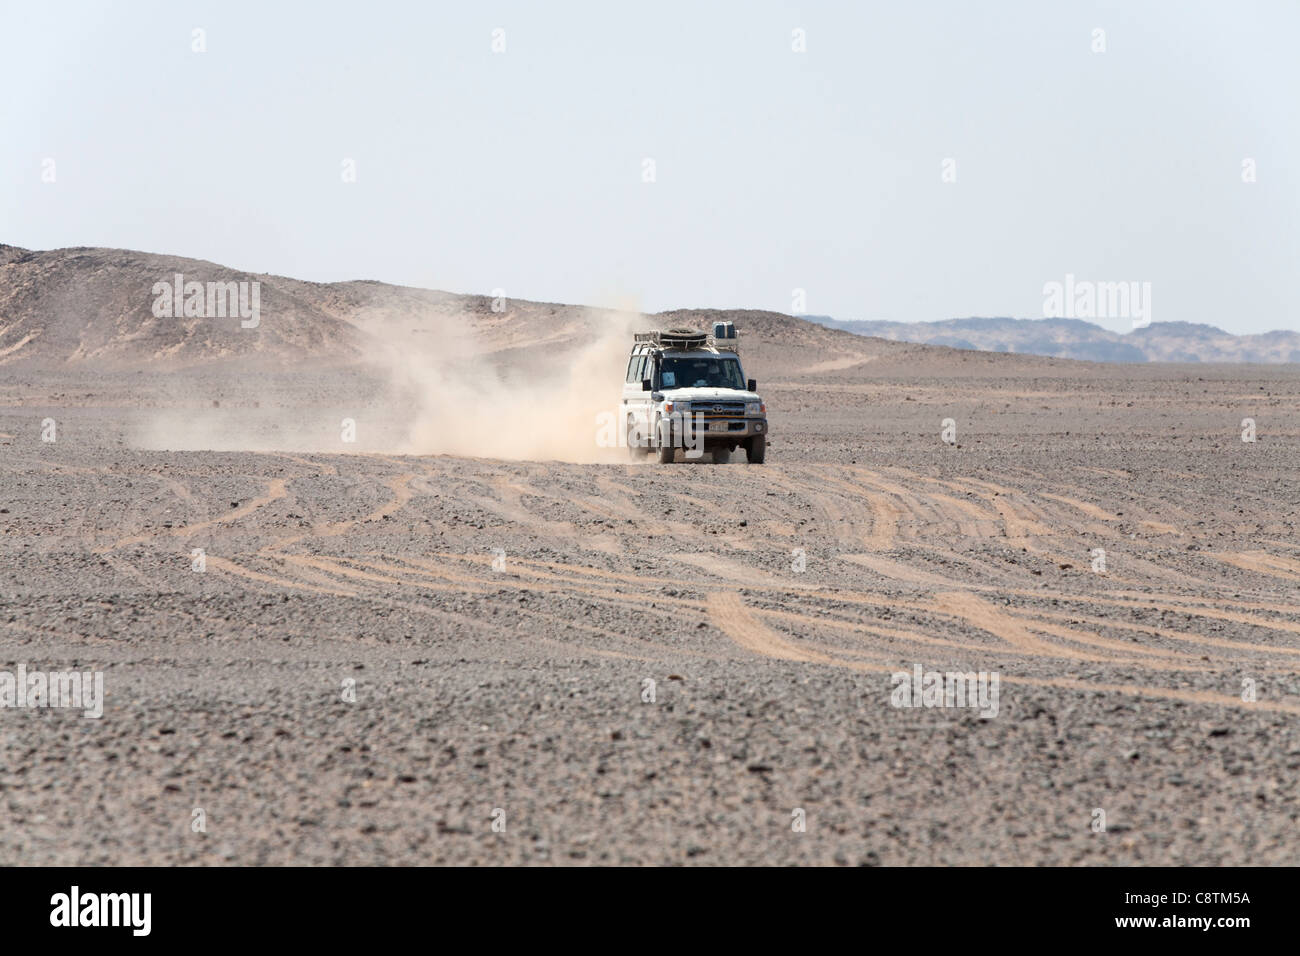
(640, 368)
(631, 368)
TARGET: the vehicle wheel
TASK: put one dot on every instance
(756, 450)
(721, 456)
(664, 441)
(637, 446)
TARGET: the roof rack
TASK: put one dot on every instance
(688, 339)
(674, 338)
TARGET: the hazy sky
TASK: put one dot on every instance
(774, 170)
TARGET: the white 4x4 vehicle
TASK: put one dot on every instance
(685, 389)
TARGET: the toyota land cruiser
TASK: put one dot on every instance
(685, 389)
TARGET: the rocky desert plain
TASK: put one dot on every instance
(460, 631)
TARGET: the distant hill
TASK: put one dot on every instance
(92, 306)
(1077, 339)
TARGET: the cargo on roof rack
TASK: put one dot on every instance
(674, 338)
(723, 338)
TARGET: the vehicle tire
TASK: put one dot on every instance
(664, 441)
(721, 456)
(637, 445)
(756, 450)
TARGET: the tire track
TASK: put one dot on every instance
(729, 614)
(275, 490)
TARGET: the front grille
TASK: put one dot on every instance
(718, 409)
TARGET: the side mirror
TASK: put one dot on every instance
(753, 384)
(646, 385)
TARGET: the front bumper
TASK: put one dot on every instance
(720, 428)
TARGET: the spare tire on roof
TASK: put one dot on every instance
(683, 338)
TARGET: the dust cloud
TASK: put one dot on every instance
(547, 404)
(425, 386)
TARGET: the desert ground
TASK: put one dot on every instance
(521, 689)
(386, 654)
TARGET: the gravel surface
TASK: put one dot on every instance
(358, 676)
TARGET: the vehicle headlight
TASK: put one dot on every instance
(683, 407)
(753, 408)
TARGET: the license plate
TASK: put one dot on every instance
(718, 426)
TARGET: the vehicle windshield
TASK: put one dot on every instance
(712, 371)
